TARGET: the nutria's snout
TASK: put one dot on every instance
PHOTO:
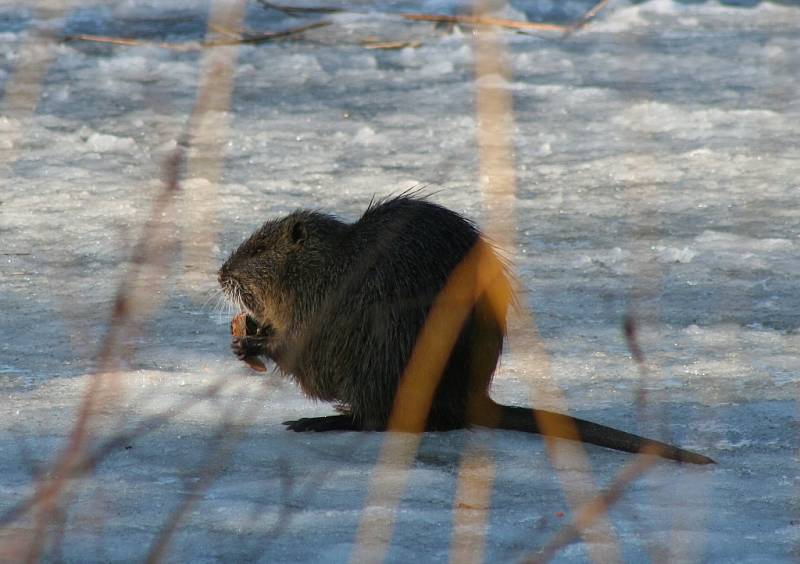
(223, 278)
(230, 287)
(227, 277)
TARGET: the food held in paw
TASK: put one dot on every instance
(239, 329)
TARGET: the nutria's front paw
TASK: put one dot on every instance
(250, 340)
(245, 350)
(244, 347)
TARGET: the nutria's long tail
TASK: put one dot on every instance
(564, 426)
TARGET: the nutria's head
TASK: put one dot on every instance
(279, 271)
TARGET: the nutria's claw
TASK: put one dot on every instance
(307, 425)
(244, 347)
(238, 347)
(295, 425)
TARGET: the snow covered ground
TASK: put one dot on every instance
(658, 165)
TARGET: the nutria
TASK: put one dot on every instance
(339, 307)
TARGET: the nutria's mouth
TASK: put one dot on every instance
(236, 294)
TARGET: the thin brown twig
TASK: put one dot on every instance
(221, 30)
(205, 134)
(300, 10)
(465, 19)
(631, 331)
(390, 45)
(589, 15)
(249, 39)
(595, 508)
(57, 550)
(254, 39)
(462, 19)
(629, 327)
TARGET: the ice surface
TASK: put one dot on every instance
(657, 162)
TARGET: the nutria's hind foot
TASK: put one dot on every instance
(319, 424)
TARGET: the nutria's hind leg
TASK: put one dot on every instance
(342, 422)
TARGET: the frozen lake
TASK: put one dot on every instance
(657, 165)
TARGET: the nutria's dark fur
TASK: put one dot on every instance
(339, 307)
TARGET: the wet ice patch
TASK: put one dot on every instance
(677, 255)
(131, 68)
(367, 136)
(736, 243)
(103, 143)
(657, 117)
(293, 69)
(615, 260)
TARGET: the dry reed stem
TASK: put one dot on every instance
(645, 308)
(207, 130)
(472, 506)
(483, 20)
(136, 293)
(22, 91)
(567, 456)
(497, 181)
(137, 290)
(631, 332)
(494, 108)
(320, 473)
(135, 296)
(477, 274)
(386, 487)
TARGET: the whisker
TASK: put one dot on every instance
(211, 293)
(221, 306)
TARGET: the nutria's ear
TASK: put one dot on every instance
(299, 233)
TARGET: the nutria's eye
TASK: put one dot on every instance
(299, 233)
